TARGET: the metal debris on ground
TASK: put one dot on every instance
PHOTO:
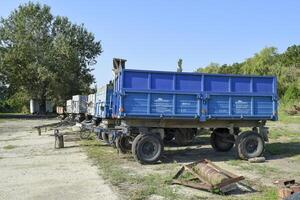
(287, 188)
(257, 160)
(207, 176)
(53, 125)
(293, 111)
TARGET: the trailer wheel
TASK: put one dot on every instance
(105, 137)
(249, 145)
(221, 140)
(84, 135)
(147, 148)
(122, 143)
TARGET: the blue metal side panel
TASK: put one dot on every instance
(141, 93)
(241, 84)
(263, 85)
(186, 105)
(116, 97)
(103, 102)
(241, 106)
(263, 106)
(216, 84)
(162, 81)
(136, 103)
(161, 104)
(188, 83)
(218, 106)
(136, 80)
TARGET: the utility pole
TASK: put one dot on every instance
(179, 65)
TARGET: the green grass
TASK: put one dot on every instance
(2, 120)
(235, 162)
(285, 118)
(121, 171)
(8, 147)
(276, 133)
(268, 193)
(259, 168)
(6, 120)
(140, 186)
(11, 113)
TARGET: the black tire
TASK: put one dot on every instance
(147, 148)
(105, 137)
(249, 144)
(85, 135)
(220, 140)
(122, 144)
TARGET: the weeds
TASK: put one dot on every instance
(8, 147)
(268, 193)
(137, 186)
(141, 187)
(283, 117)
(262, 169)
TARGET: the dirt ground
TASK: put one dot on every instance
(282, 162)
(30, 167)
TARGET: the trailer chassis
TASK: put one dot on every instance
(137, 134)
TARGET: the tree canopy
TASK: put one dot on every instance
(285, 66)
(46, 56)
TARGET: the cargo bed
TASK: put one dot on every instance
(157, 94)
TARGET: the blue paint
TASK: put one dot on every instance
(241, 84)
(218, 105)
(186, 104)
(103, 103)
(136, 103)
(161, 104)
(156, 94)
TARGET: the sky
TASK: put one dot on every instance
(154, 34)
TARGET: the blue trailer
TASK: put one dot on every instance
(104, 101)
(103, 110)
(150, 107)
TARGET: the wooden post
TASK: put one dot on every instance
(39, 131)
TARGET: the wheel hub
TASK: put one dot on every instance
(251, 145)
(148, 149)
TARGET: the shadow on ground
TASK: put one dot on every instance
(279, 150)
(201, 149)
(198, 150)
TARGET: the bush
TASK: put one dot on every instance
(17, 103)
(292, 93)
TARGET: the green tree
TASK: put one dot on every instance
(285, 66)
(44, 55)
(261, 62)
(291, 57)
(211, 68)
